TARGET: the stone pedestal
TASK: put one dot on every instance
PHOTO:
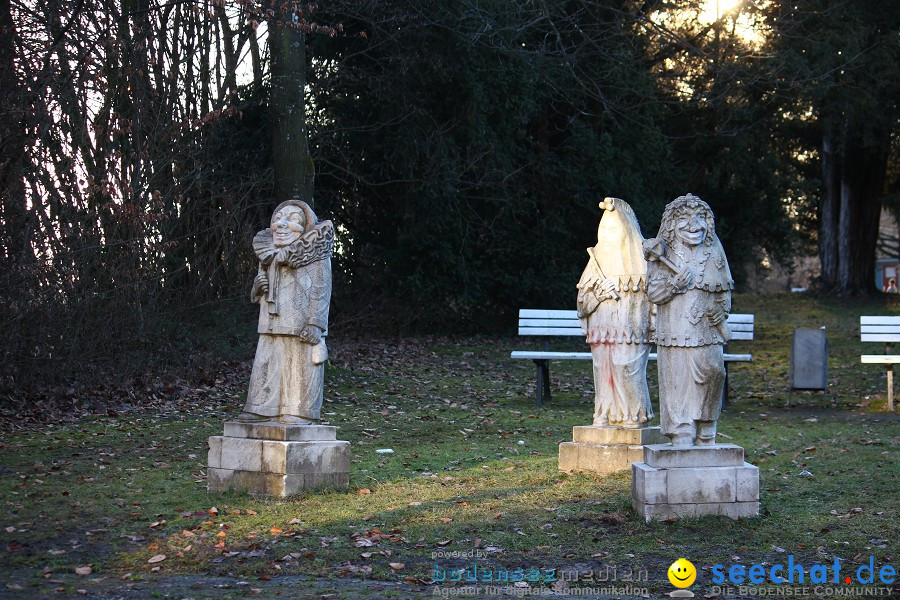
(276, 459)
(693, 481)
(599, 449)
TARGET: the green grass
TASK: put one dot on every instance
(473, 468)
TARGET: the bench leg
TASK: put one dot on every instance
(542, 382)
(890, 386)
(547, 397)
(725, 389)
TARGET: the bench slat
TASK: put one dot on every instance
(879, 329)
(525, 354)
(879, 337)
(885, 359)
(549, 323)
(550, 355)
(536, 313)
(879, 320)
(741, 318)
(576, 332)
(526, 325)
(550, 331)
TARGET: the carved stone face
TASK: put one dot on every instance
(288, 225)
(691, 227)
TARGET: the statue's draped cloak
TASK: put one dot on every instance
(683, 321)
(620, 256)
(690, 348)
(617, 330)
(288, 370)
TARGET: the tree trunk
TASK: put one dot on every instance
(829, 208)
(862, 187)
(853, 173)
(290, 151)
(255, 59)
(14, 238)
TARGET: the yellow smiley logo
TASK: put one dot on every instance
(682, 573)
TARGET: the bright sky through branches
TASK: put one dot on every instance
(744, 25)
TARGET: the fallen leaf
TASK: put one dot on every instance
(445, 543)
(614, 517)
(214, 512)
(157, 559)
(364, 492)
(397, 566)
(446, 520)
(276, 531)
(85, 570)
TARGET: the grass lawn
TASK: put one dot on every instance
(474, 471)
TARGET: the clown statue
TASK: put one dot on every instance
(293, 290)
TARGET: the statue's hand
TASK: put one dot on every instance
(607, 289)
(681, 280)
(261, 283)
(653, 248)
(311, 335)
(715, 315)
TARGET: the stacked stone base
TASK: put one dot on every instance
(277, 459)
(694, 481)
(599, 449)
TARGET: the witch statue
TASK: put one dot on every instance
(690, 282)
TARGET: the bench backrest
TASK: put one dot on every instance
(533, 321)
(879, 329)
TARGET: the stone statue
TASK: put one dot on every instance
(690, 282)
(615, 317)
(293, 289)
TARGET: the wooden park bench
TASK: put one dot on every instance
(565, 323)
(887, 330)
